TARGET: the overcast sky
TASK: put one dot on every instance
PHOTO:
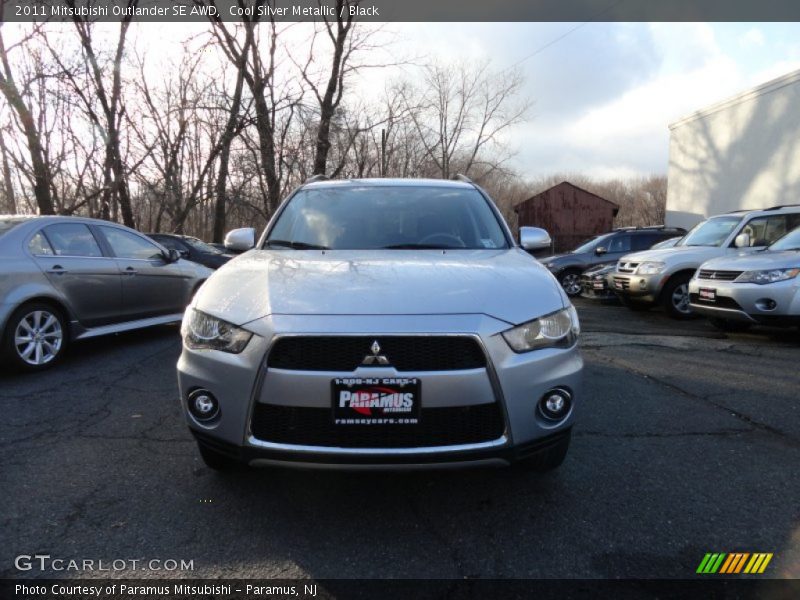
(605, 93)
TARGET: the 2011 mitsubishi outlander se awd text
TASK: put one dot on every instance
(382, 323)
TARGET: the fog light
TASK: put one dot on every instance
(555, 404)
(766, 304)
(203, 405)
(642, 284)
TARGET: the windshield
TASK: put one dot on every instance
(791, 241)
(386, 217)
(201, 246)
(712, 232)
(591, 244)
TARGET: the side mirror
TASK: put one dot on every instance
(600, 250)
(742, 240)
(240, 240)
(533, 238)
(171, 255)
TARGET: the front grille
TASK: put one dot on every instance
(718, 275)
(445, 426)
(404, 353)
(622, 280)
(627, 267)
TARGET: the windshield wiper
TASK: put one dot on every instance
(293, 245)
(420, 247)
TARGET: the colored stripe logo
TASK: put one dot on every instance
(734, 563)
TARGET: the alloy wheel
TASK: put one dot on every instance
(571, 283)
(38, 337)
(680, 299)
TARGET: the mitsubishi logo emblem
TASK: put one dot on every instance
(376, 357)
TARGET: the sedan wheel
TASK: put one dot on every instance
(36, 337)
(571, 282)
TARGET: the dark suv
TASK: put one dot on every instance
(604, 249)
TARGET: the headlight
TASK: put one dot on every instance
(557, 330)
(200, 331)
(650, 268)
(771, 276)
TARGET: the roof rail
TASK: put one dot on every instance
(460, 177)
(781, 206)
(315, 178)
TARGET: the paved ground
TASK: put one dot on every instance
(688, 442)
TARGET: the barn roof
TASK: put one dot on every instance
(572, 185)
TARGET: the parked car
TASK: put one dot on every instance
(738, 291)
(193, 249)
(382, 323)
(69, 278)
(603, 249)
(594, 283)
(644, 279)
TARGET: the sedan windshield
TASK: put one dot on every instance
(387, 217)
(791, 241)
(201, 246)
(712, 232)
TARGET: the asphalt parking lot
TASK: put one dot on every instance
(688, 442)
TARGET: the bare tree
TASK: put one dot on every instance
(15, 99)
(461, 113)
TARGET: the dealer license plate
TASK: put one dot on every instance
(376, 401)
(708, 294)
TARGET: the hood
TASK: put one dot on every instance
(506, 284)
(679, 255)
(756, 261)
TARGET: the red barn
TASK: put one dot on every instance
(569, 214)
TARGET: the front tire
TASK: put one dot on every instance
(570, 280)
(35, 337)
(548, 459)
(675, 297)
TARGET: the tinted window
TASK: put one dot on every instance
(129, 245)
(170, 243)
(39, 245)
(621, 243)
(201, 246)
(72, 239)
(643, 241)
(373, 217)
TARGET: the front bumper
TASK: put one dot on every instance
(746, 301)
(596, 288)
(641, 288)
(515, 382)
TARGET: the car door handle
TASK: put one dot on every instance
(130, 271)
(57, 270)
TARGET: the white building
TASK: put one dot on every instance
(742, 153)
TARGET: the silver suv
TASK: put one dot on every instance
(644, 279)
(382, 323)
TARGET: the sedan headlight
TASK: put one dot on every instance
(202, 331)
(650, 268)
(770, 276)
(556, 330)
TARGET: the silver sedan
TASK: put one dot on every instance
(69, 278)
(382, 324)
